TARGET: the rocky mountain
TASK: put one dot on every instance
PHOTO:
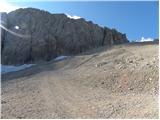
(31, 35)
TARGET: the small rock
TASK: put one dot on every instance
(130, 61)
(115, 75)
(154, 58)
(147, 64)
(120, 67)
(156, 66)
(92, 107)
(105, 70)
(91, 88)
(3, 102)
(130, 88)
(19, 117)
(88, 75)
(102, 83)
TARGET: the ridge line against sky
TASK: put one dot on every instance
(72, 0)
(145, 14)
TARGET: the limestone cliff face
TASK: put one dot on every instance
(38, 35)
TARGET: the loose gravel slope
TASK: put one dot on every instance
(119, 82)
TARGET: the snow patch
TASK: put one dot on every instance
(10, 68)
(146, 39)
(60, 58)
(73, 17)
(16, 27)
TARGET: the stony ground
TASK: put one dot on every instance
(120, 82)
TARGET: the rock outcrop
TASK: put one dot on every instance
(35, 35)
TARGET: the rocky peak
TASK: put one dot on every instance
(39, 35)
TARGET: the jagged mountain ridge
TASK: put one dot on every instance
(49, 35)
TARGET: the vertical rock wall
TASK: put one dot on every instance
(43, 36)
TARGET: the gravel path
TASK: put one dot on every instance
(121, 82)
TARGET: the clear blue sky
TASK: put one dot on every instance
(136, 19)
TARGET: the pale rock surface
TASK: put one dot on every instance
(43, 36)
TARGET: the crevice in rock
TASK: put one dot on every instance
(104, 35)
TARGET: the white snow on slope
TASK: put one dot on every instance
(16, 27)
(60, 58)
(11, 68)
(73, 17)
(146, 39)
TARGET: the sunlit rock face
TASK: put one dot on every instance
(33, 35)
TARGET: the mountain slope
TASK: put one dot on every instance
(116, 82)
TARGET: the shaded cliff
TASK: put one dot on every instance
(39, 35)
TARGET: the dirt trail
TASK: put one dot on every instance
(121, 82)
